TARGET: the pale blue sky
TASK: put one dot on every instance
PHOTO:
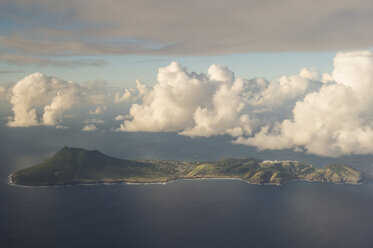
(120, 41)
(122, 71)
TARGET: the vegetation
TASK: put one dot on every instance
(75, 165)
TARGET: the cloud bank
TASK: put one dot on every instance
(195, 104)
(330, 116)
(333, 121)
(216, 103)
(27, 60)
(83, 27)
(327, 115)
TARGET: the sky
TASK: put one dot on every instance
(271, 75)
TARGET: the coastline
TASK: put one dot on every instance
(10, 178)
(108, 182)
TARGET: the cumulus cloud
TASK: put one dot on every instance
(89, 128)
(120, 118)
(132, 95)
(224, 113)
(41, 100)
(38, 89)
(333, 121)
(94, 121)
(286, 89)
(192, 104)
(330, 116)
(215, 103)
(171, 103)
(61, 127)
(5, 90)
(99, 110)
(326, 78)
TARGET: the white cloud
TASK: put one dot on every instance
(223, 115)
(192, 104)
(209, 104)
(132, 94)
(89, 128)
(172, 102)
(94, 121)
(40, 90)
(61, 127)
(41, 100)
(330, 117)
(333, 121)
(64, 100)
(120, 118)
(326, 78)
(309, 73)
(286, 89)
(98, 111)
(124, 97)
(220, 73)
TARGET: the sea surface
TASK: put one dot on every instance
(187, 213)
(182, 213)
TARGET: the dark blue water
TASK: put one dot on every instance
(192, 213)
(200, 213)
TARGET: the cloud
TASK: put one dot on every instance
(94, 121)
(215, 103)
(9, 72)
(327, 117)
(89, 128)
(333, 121)
(5, 91)
(99, 110)
(51, 47)
(171, 103)
(120, 118)
(326, 77)
(41, 100)
(331, 116)
(286, 89)
(224, 113)
(85, 28)
(132, 94)
(61, 127)
(27, 60)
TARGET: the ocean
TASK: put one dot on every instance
(188, 213)
(182, 213)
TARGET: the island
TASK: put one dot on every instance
(80, 166)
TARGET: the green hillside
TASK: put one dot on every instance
(76, 165)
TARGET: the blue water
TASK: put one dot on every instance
(188, 213)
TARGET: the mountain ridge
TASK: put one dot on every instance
(78, 165)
